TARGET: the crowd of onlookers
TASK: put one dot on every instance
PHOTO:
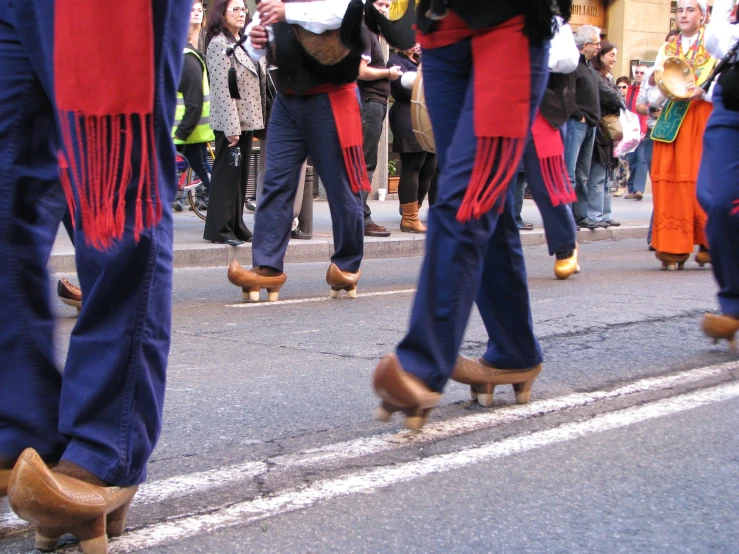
(596, 175)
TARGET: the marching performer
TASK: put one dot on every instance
(679, 221)
(473, 247)
(316, 114)
(718, 181)
(100, 117)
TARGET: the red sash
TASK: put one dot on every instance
(104, 88)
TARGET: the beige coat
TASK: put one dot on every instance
(228, 115)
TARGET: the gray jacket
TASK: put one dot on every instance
(228, 115)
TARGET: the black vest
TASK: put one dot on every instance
(299, 70)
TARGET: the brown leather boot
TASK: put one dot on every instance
(410, 222)
(256, 278)
(340, 280)
(703, 256)
(59, 504)
(482, 378)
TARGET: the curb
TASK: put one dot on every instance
(320, 249)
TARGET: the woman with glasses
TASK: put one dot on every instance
(603, 163)
(233, 121)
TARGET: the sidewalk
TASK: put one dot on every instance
(190, 250)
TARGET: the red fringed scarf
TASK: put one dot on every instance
(550, 151)
(104, 86)
(348, 119)
(501, 133)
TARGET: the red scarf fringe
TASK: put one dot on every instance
(105, 97)
(501, 133)
(550, 151)
(348, 119)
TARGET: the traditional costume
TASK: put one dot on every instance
(718, 180)
(679, 221)
(473, 247)
(93, 103)
(554, 204)
(317, 114)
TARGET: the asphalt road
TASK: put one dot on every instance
(269, 444)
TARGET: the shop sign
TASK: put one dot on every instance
(588, 12)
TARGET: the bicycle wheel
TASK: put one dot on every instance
(192, 199)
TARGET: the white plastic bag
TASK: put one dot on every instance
(632, 134)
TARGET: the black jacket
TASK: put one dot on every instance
(558, 103)
(611, 102)
(191, 87)
(586, 94)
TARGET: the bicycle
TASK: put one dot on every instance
(188, 186)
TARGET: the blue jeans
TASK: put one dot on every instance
(579, 143)
(197, 156)
(640, 162)
(302, 126)
(480, 260)
(105, 413)
(599, 192)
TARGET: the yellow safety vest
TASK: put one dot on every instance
(202, 131)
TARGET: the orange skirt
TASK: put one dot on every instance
(679, 221)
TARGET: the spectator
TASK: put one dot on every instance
(603, 163)
(374, 90)
(621, 174)
(638, 163)
(233, 120)
(581, 125)
(418, 165)
(192, 132)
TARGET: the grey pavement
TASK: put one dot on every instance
(277, 385)
(192, 251)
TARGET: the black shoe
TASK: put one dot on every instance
(525, 226)
(602, 224)
(234, 242)
(613, 223)
(298, 234)
(177, 206)
(251, 205)
(374, 230)
(588, 223)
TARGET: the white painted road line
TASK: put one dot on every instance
(371, 480)
(201, 482)
(316, 299)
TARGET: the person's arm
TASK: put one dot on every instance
(218, 66)
(609, 97)
(397, 90)
(191, 87)
(563, 53)
(315, 17)
(254, 48)
(720, 34)
(367, 73)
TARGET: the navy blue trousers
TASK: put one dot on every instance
(718, 194)
(301, 126)
(105, 412)
(559, 224)
(477, 261)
